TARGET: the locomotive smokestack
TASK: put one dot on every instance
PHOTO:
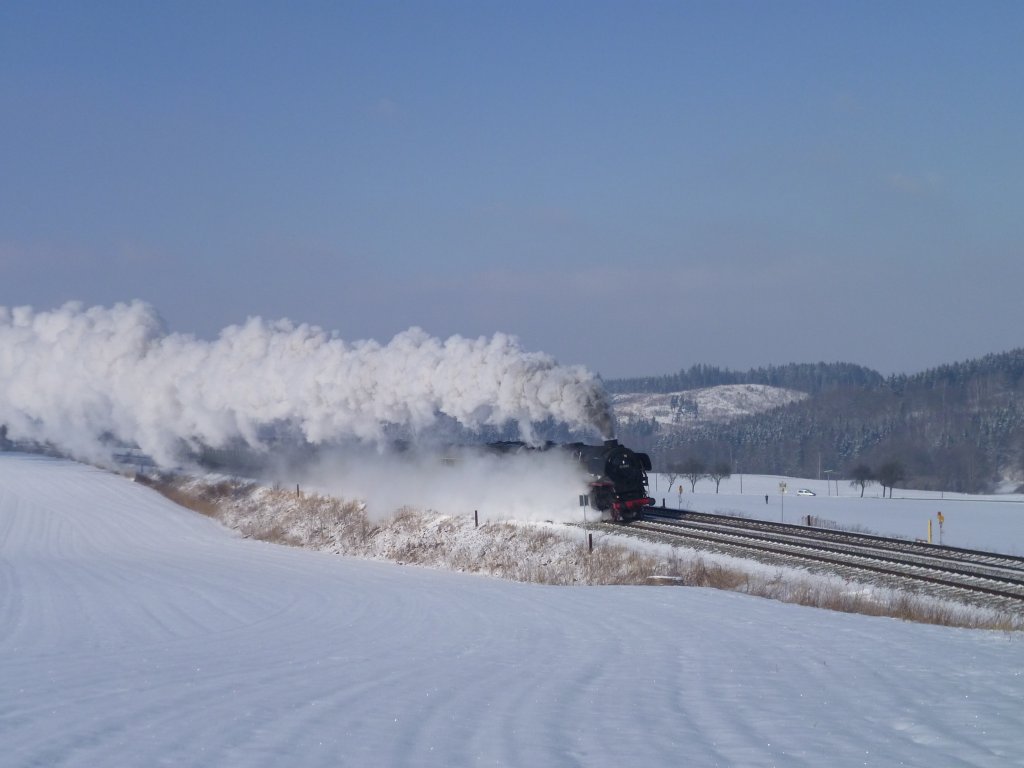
(610, 442)
(599, 410)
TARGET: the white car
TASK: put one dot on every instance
(805, 492)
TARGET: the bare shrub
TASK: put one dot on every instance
(195, 502)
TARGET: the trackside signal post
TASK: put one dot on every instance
(585, 502)
(782, 498)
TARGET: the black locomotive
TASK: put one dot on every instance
(617, 476)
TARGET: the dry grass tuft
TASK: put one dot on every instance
(197, 502)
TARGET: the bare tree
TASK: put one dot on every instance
(693, 470)
(863, 476)
(671, 472)
(721, 471)
(889, 474)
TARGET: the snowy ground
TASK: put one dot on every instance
(994, 523)
(133, 632)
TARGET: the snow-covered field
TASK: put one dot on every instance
(133, 632)
(994, 523)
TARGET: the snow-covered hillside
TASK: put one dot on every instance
(133, 632)
(713, 404)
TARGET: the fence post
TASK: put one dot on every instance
(590, 542)
(476, 518)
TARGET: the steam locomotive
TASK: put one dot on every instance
(617, 476)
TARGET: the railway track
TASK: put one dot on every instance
(986, 578)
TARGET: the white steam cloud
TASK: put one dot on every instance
(83, 378)
(531, 485)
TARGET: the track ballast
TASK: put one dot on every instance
(986, 578)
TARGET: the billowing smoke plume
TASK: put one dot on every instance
(84, 378)
(528, 485)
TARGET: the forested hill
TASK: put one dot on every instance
(805, 377)
(956, 427)
(1006, 367)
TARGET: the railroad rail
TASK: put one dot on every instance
(987, 578)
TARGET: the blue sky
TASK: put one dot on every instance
(636, 187)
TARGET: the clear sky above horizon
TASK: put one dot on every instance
(636, 187)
